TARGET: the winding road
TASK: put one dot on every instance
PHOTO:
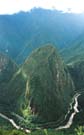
(70, 121)
(13, 123)
(67, 125)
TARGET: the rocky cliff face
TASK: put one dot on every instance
(49, 84)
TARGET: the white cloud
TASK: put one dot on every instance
(11, 6)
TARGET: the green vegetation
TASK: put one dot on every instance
(42, 83)
(76, 70)
(25, 31)
(37, 93)
(41, 77)
(12, 86)
(77, 131)
(7, 70)
(75, 51)
(48, 84)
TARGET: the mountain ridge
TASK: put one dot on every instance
(27, 31)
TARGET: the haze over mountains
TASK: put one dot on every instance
(23, 32)
(75, 52)
(37, 85)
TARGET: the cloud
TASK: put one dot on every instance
(12, 6)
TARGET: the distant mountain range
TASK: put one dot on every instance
(39, 92)
(23, 32)
(74, 52)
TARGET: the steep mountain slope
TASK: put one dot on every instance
(74, 52)
(9, 36)
(12, 87)
(23, 32)
(76, 70)
(7, 69)
(49, 85)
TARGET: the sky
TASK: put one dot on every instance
(13, 6)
